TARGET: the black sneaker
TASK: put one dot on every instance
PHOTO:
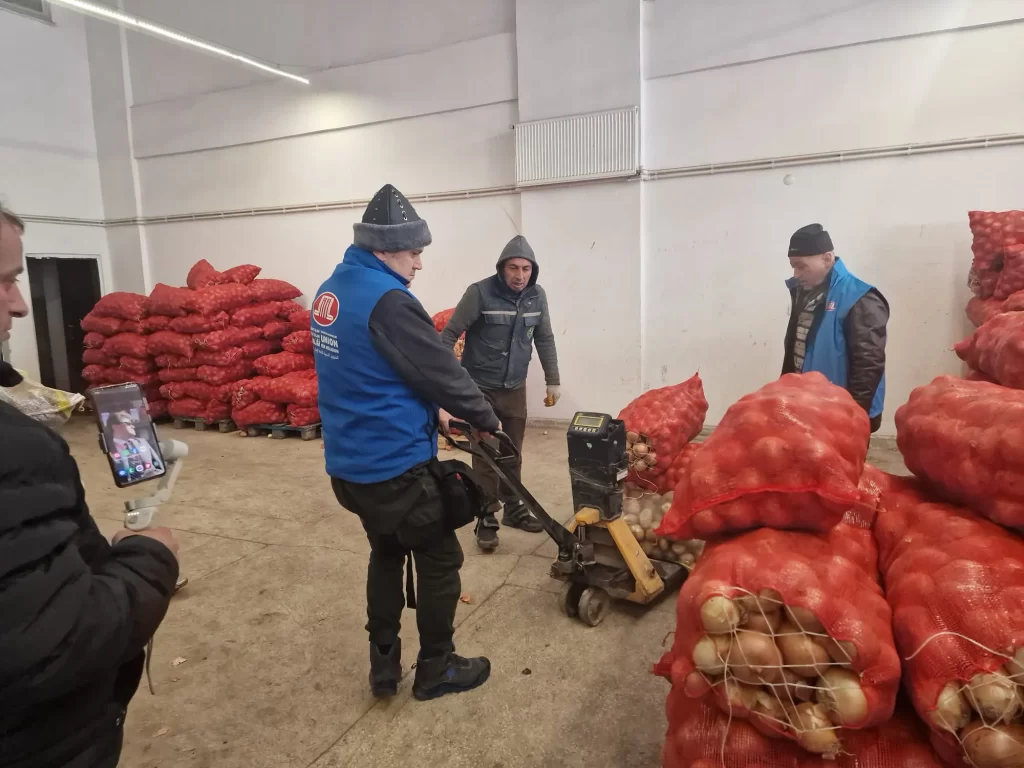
(518, 516)
(449, 674)
(385, 669)
(487, 533)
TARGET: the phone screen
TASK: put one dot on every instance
(127, 434)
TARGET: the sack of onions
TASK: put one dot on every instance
(955, 583)
(967, 439)
(677, 469)
(642, 512)
(658, 424)
(788, 456)
(440, 321)
(790, 630)
(701, 736)
(996, 349)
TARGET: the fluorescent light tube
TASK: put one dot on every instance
(134, 22)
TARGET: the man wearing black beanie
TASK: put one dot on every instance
(837, 324)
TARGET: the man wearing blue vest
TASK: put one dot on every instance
(837, 324)
(383, 375)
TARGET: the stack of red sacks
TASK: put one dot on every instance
(998, 247)
(115, 347)
(208, 338)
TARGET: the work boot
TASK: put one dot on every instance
(385, 669)
(487, 533)
(449, 674)
(518, 516)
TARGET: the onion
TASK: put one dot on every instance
(645, 518)
(802, 655)
(814, 731)
(842, 652)
(1016, 666)
(631, 519)
(842, 696)
(768, 707)
(640, 450)
(994, 696)
(651, 536)
(665, 507)
(696, 685)
(639, 465)
(805, 620)
(637, 531)
(770, 600)
(797, 686)
(1001, 746)
(711, 654)
(739, 695)
(679, 549)
(688, 560)
(767, 623)
(755, 658)
(720, 615)
(651, 459)
(951, 711)
(630, 505)
(632, 437)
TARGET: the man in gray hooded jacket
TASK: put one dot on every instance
(503, 317)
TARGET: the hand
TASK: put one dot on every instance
(163, 535)
(554, 394)
(488, 435)
(444, 422)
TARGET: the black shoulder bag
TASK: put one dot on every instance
(462, 497)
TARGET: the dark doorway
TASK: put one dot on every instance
(64, 290)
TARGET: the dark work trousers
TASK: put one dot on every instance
(402, 516)
(510, 407)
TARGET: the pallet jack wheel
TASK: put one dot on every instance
(593, 606)
(569, 598)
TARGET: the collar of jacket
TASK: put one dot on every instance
(359, 257)
(8, 376)
(502, 289)
(839, 272)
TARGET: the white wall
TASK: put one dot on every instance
(48, 158)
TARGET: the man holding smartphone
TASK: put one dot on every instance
(75, 612)
(383, 375)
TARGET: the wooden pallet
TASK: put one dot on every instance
(201, 425)
(281, 431)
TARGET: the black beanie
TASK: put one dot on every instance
(811, 240)
(390, 224)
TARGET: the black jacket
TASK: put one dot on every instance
(75, 613)
(865, 343)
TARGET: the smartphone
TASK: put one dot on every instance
(127, 434)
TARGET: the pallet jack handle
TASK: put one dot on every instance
(569, 545)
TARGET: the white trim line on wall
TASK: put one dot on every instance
(740, 166)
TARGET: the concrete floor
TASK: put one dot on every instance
(262, 660)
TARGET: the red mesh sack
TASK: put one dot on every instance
(245, 392)
(787, 456)
(156, 323)
(261, 412)
(997, 349)
(94, 340)
(199, 323)
(217, 411)
(223, 357)
(243, 273)
(167, 375)
(276, 329)
(660, 422)
(203, 275)
(217, 375)
(1014, 303)
(677, 469)
(125, 306)
(980, 311)
(99, 357)
(168, 301)
(169, 343)
(257, 314)
(186, 408)
(769, 615)
(1011, 278)
(282, 363)
(157, 408)
(967, 438)
(285, 309)
(219, 298)
(299, 321)
(699, 736)
(274, 290)
(130, 344)
(218, 341)
(108, 326)
(178, 390)
(97, 374)
(442, 318)
(174, 361)
(136, 364)
(146, 381)
(290, 389)
(298, 341)
(955, 583)
(260, 348)
(303, 416)
(131, 326)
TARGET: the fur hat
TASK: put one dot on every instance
(390, 224)
(810, 241)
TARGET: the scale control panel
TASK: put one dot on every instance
(589, 424)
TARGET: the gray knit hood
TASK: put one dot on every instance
(518, 248)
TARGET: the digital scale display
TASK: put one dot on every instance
(588, 423)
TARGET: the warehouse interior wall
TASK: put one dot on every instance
(649, 281)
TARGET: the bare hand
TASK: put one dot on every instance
(488, 435)
(444, 422)
(163, 535)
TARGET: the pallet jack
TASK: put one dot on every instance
(598, 556)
